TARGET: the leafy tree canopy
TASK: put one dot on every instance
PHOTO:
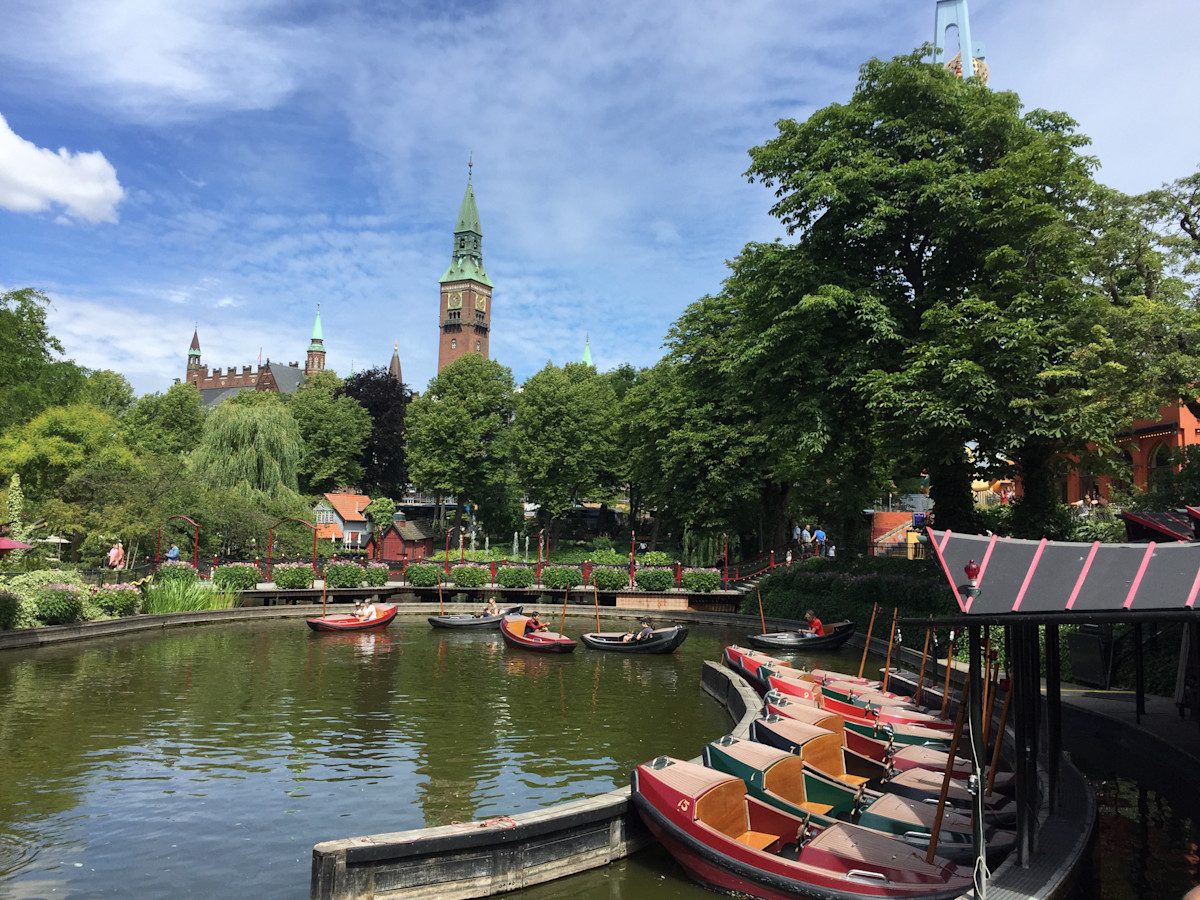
(334, 428)
(58, 442)
(252, 450)
(383, 458)
(32, 378)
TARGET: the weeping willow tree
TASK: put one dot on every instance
(252, 450)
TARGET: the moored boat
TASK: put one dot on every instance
(868, 726)
(785, 781)
(731, 841)
(512, 628)
(662, 640)
(800, 642)
(467, 621)
(746, 662)
(350, 622)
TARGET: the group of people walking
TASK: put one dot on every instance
(811, 541)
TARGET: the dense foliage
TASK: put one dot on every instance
(10, 606)
(701, 580)
(470, 575)
(515, 576)
(656, 579)
(236, 576)
(558, 578)
(293, 576)
(60, 604)
(377, 574)
(177, 571)
(423, 575)
(117, 599)
(610, 578)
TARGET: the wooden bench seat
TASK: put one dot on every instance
(757, 839)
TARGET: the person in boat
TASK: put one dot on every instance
(533, 624)
(812, 625)
(645, 632)
(365, 611)
(489, 609)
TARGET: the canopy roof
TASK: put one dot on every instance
(1064, 581)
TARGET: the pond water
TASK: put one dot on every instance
(207, 761)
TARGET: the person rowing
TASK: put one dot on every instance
(812, 626)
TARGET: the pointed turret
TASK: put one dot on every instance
(587, 353)
(394, 368)
(193, 363)
(315, 362)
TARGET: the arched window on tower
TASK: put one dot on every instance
(453, 343)
(478, 346)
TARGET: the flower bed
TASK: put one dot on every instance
(60, 604)
(176, 570)
(561, 578)
(610, 578)
(236, 576)
(344, 575)
(654, 579)
(423, 576)
(117, 599)
(515, 576)
(377, 574)
(701, 580)
(469, 575)
(292, 576)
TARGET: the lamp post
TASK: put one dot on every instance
(726, 539)
(972, 571)
(541, 534)
(632, 556)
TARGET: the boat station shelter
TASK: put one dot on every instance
(1024, 585)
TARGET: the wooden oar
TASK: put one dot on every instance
(999, 739)
(924, 657)
(596, 594)
(761, 617)
(563, 621)
(887, 666)
(941, 809)
(990, 690)
(867, 646)
(949, 661)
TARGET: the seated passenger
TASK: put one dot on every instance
(645, 632)
(533, 624)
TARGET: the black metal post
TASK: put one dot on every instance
(1021, 733)
(978, 754)
(1053, 714)
(1033, 658)
(1139, 684)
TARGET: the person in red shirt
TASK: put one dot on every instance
(814, 626)
(533, 624)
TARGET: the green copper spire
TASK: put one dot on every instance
(587, 353)
(318, 339)
(467, 255)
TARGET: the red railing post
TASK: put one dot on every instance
(493, 573)
(679, 575)
(404, 570)
(771, 565)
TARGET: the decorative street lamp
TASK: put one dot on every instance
(972, 571)
(726, 538)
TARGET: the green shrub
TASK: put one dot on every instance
(377, 574)
(701, 580)
(469, 575)
(560, 578)
(602, 542)
(117, 599)
(236, 576)
(423, 576)
(654, 579)
(654, 558)
(177, 571)
(27, 585)
(608, 558)
(610, 578)
(292, 576)
(515, 576)
(10, 607)
(60, 604)
(344, 575)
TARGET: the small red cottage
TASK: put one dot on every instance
(404, 540)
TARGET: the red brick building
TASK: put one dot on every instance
(404, 540)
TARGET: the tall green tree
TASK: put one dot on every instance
(56, 443)
(108, 390)
(32, 377)
(383, 456)
(166, 424)
(458, 438)
(254, 451)
(334, 428)
(954, 231)
(563, 438)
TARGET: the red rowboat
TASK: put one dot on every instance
(734, 842)
(383, 618)
(512, 629)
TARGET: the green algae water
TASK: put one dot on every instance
(206, 762)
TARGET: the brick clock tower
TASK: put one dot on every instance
(465, 312)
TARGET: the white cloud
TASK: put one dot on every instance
(33, 179)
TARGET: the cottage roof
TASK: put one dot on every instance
(329, 531)
(349, 506)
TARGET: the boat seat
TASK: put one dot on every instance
(757, 839)
(724, 808)
(821, 809)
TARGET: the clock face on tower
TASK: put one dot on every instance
(480, 302)
(454, 300)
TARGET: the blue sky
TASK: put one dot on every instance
(233, 163)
